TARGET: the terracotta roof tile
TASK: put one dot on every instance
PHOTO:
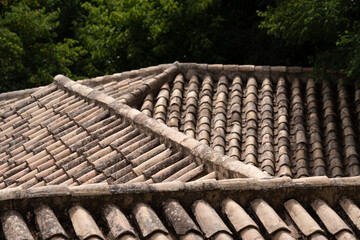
(14, 226)
(334, 224)
(352, 210)
(239, 219)
(84, 225)
(268, 217)
(118, 223)
(148, 221)
(302, 219)
(48, 224)
(210, 222)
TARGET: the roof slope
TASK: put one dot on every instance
(278, 119)
(68, 133)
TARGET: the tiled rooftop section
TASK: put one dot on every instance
(160, 211)
(56, 137)
(130, 87)
(9, 98)
(277, 119)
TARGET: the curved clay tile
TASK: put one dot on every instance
(302, 218)
(221, 236)
(141, 150)
(180, 219)
(162, 164)
(149, 154)
(282, 235)
(175, 104)
(167, 172)
(351, 152)
(151, 158)
(283, 164)
(345, 235)
(158, 236)
(268, 217)
(333, 223)
(251, 119)
(191, 236)
(118, 224)
(267, 158)
(160, 109)
(148, 222)
(220, 112)
(205, 111)
(14, 226)
(251, 234)
(125, 139)
(211, 175)
(48, 224)
(148, 105)
(176, 176)
(352, 210)
(83, 223)
(317, 236)
(334, 161)
(132, 145)
(191, 106)
(297, 109)
(240, 220)
(235, 118)
(191, 174)
(209, 221)
(317, 151)
(235, 141)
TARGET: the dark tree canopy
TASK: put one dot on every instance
(330, 27)
(78, 38)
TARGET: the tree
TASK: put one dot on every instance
(331, 28)
(129, 34)
(30, 54)
(81, 39)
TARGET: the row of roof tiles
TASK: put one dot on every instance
(226, 220)
(293, 129)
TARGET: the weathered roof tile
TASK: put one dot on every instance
(210, 222)
(84, 225)
(331, 220)
(268, 217)
(148, 221)
(14, 226)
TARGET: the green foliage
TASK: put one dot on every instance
(30, 55)
(10, 61)
(130, 34)
(329, 27)
(79, 38)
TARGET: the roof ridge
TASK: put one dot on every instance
(245, 68)
(19, 93)
(237, 184)
(225, 166)
(142, 72)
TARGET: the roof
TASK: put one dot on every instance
(183, 151)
